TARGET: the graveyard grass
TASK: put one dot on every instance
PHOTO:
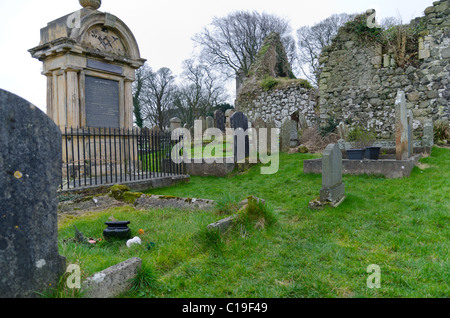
(402, 225)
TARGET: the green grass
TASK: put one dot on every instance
(402, 225)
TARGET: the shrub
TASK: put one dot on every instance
(312, 139)
(361, 136)
(441, 131)
(268, 83)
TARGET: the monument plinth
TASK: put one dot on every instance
(89, 58)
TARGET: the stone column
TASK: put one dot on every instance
(401, 127)
(410, 134)
(73, 99)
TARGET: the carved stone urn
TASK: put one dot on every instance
(91, 4)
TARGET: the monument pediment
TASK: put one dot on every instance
(100, 38)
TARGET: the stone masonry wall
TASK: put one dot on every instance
(359, 82)
(279, 103)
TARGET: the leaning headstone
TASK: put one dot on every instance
(219, 119)
(30, 173)
(401, 126)
(285, 135)
(239, 123)
(333, 189)
(410, 134)
(428, 134)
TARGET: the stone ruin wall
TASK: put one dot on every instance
(279, 103)
(359, 84)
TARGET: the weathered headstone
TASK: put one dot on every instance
(333, 189)
(294, 134)
(203, 120)
(401, 126)
(209, 122)
(219, 118)
(228, 114)
(410, 134)
(285, 135)
(175, 123)
(302, 121)
(239, 123)
(30, 173)
(428, 134)
(271, 129)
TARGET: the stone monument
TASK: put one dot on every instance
(89, 58)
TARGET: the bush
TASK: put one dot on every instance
(313, 139)
(361, 136)
(441, 131)
(268, 83)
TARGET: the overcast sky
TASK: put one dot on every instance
(163, 29)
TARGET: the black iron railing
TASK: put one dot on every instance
(102, 156)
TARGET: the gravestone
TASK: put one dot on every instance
(209, 122)
(428, 134)
(410, 134)
(285, 135)
(294, 134)
(401, 127)
(175, 123)
(302, 121)
(333, 189)
(219, 118)
(30, 173)
(239, 123)
(228, 114)
(271, 129)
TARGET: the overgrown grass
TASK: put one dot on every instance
(402, 225)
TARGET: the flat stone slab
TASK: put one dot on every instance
(223, 224)
(391, 169)
(97, 203)
(112, 281)
(164, 201)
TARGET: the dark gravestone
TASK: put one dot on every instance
(239, 123)
(102, 102)
(30, 173)
(219, 118)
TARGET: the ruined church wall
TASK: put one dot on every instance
(359, 83)
(279, 103)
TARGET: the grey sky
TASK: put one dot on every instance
(163, 29)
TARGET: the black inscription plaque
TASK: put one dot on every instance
(104, 66)
(102, 102)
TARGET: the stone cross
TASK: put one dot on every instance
(30, 173)
(401, 126)
(333, 189)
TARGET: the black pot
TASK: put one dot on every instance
(355, 154)
(372, 153)
(117, 230)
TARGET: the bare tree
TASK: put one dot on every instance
(312, 39)
(199, 92)
(156, 95)
(232, 43)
